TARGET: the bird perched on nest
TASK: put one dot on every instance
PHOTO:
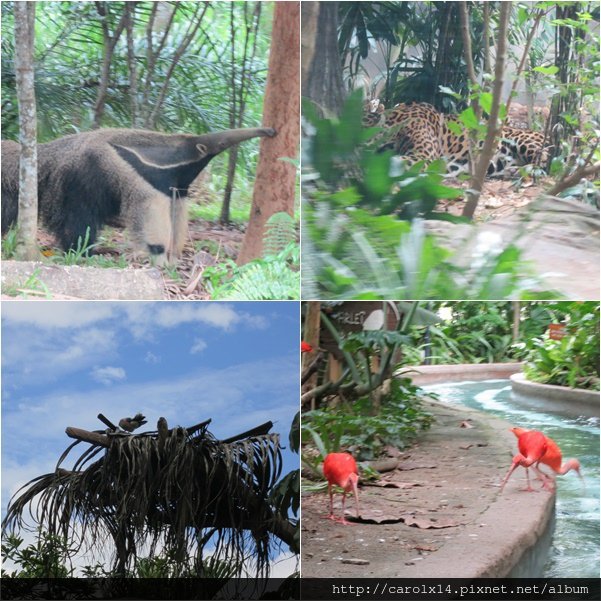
(129, 424)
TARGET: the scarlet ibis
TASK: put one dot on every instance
(341, 469)
(130, 424)
(532, 446)
(306, 347)
(552, 458)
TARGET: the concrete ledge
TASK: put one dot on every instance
(422, 375)
(511, 539)
(90, 283)
(559, 399)
(455, 475)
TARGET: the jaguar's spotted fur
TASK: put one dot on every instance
(419, 132)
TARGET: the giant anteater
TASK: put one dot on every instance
(87, 179)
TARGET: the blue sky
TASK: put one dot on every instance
(65, 362)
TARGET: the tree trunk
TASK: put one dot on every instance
(492, 133)
(515, 330)
(109, 43)
(239, 94)
(28, 166)
(224, 216)
(324, 85)
(310, 18)
(191, 30)
(311, 336)
(130, 12)
(274, 188)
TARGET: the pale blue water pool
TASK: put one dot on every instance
(575, 547)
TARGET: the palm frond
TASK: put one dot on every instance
(181, 491)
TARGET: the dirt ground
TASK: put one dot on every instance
(500, 198)
(443, 496)
(208, 244)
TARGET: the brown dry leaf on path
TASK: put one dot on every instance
(425, 548)
(406, 466)
(425, 522)
(391, 484)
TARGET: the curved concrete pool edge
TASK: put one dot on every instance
(423, 375)
(554, 397)
(512, 536)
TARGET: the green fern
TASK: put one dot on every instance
(275, 277)
(265, 282)
(280, 230)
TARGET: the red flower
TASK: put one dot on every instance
(306, 347)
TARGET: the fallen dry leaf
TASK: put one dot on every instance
(430, 522)
(408, 465)
(425, 548)
(392, 451)
(356, 562)
(391, 484)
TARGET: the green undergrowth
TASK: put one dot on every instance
(275, 276)
(365, 233)
(574, 359)
(360, 426)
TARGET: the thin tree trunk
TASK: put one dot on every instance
(515, 331)
(130, 12)
(467, 51)
(524, 58)
(310, 17)
(109, 43)
(492, 132)
(28, 166)
(324, 85)
(224, 217)
(238, 106)
(486, 33)
(311, 336)
(274, 189)
(152, 55)
(193, 26)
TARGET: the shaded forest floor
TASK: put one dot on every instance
(566, 245)
(208, 244)
(499, 199)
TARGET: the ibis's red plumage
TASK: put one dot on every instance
(306, 347)
(341, 469)
(532, 446)
(552, 456)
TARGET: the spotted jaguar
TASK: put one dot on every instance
(419, 132)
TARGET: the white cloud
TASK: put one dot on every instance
(152, 358)
(198, 346)
(144, 319)
(218, 315)
(108, 375)
(284, 565)
(227, 395)
(62, 314)
(52, 355)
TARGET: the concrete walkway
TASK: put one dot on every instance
(558, 237)
(445, 518)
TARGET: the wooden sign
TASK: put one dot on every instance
(557, 331)
(357, 316)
